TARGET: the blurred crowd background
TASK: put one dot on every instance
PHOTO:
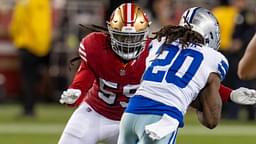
(39, 37)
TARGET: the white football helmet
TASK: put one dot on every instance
(128, 28)
(204, 22)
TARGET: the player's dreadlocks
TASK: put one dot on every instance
(185, 34)
(83, 31)
(86, 29)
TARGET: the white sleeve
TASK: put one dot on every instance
(217, 63)
(223, 66)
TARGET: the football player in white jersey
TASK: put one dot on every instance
(184, 65)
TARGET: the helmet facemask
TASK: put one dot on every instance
(127, 45)
(128, 29)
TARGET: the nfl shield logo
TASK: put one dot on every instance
(122, 72)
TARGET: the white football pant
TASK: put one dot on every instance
(86, 126)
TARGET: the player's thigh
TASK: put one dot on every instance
(67, 138)
(109, 130)
(82, 127)
(142, 121)
(127, 134)
(169, 139)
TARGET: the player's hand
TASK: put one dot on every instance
(70, 96)
(243, 96)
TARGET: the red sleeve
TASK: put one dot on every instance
(83, 81)
(225, 93)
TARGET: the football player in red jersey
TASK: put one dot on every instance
(110, 72)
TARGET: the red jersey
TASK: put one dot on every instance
(105, 80)
(110, 82)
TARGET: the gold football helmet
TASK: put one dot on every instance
(128, 28)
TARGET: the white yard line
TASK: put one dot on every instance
(238, 130)
(31, 128)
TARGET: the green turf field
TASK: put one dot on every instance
(50, 121)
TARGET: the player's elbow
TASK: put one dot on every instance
(242, 74)
(213, 120)
(212, 125)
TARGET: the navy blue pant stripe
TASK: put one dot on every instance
(173, 136)
(174, 141)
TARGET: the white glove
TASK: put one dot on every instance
(70, 96)
(161, 128)
(243, 96)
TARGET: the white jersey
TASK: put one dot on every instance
(174, 76)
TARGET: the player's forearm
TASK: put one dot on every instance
(200, 118)
(247, 65)
(204, 121)
(247, 69)
(83, 81)
(83, 86)
(212, 114)
(211, 102)
(83, 78)
(211, 111)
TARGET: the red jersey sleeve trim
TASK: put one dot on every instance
(225, 93)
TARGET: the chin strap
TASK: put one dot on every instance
(188, 24)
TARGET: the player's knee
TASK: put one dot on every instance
(67, 138)
(70, 138)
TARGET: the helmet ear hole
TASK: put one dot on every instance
(211, 35)
(207, 41)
